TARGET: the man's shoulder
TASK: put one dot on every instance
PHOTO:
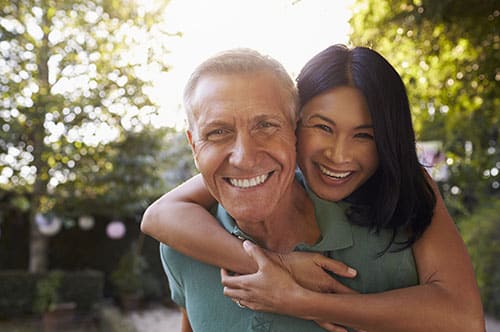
(184, 269)
(171, 257)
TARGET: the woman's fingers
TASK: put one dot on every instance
(331, 327)
(256, 253)
(229, 279)
(335, 266)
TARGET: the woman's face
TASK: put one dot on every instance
(336, 146)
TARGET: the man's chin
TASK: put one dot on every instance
(251, 214)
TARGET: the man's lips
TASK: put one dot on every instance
(249, 182)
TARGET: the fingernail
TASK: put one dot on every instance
(247, 244)
(351, 271)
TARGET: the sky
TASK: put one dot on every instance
(291, 31)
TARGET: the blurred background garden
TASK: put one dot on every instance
(92, 131)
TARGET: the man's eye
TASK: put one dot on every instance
(217, 134)
(266, 124)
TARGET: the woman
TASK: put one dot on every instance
(355, 144)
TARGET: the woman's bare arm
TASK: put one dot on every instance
(447, 298)
(180, 218)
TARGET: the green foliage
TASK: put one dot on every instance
(447, 53)
(69, 78)
(481, 233)
(127, 277)
(18, 290)
(129, 178)
(178, 159)
(47, 292)
(74, 113)
(24, 292)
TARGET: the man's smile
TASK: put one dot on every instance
(249, 182)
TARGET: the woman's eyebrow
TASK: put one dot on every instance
(365, 126)
(322, 117)
(327, 119)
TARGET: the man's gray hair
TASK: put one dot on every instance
(236, 61)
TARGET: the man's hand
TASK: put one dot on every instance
(309, 270)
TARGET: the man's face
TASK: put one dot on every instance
(243, 142)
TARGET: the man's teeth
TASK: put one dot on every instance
(334, 174)
(248, 183)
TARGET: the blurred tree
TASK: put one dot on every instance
(179, 159)
(481, 233)
(448, 54)
(129, 176)
(75, 118)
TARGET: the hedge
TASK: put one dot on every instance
(18, 290)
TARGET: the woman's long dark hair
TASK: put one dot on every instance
(398, 196)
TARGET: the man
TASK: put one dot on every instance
(242, 110)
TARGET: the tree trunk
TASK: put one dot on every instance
(38, 248)
(38, 260)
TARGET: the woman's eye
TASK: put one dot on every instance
(323, 127)
(364, 136)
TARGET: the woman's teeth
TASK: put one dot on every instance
(336, 175)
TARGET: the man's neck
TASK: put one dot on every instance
(294, 222)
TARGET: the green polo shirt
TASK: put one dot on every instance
(196, 286)
(361, 249)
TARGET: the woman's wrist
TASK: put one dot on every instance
(280, 260)
(297, 300)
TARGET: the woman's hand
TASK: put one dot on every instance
(268, 289)
(309, 270)
(272, 288)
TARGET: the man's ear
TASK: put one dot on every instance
(189, 135)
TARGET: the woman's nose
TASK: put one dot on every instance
(338, 152)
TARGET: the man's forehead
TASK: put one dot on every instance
(248, 95)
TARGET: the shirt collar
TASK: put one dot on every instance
(229, 224)
(336, 231)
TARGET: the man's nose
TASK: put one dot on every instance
(244, 152)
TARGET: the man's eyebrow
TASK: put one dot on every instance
(215, 123)
(209, 125)
(266, 116)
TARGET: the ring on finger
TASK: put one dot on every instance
(239, 304)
